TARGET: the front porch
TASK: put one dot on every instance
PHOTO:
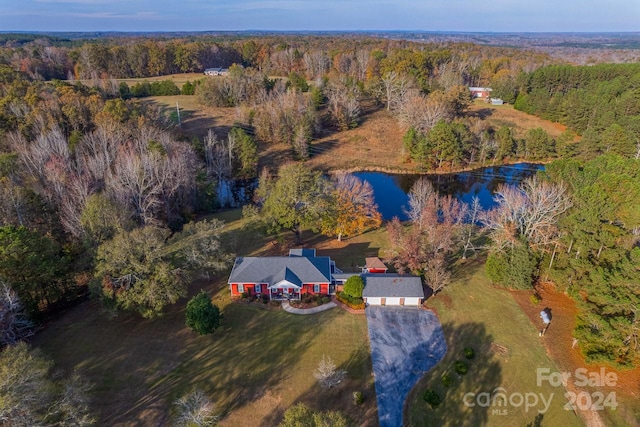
(284, 294)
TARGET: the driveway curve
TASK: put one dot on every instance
(405, 344)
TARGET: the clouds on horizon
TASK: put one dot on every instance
(428, 15)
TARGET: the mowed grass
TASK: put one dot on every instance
(260, 362)
(519, 121)
(475, 314)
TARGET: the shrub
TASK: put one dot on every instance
(358, 398)
(202, 316)
(188, 88)
(446, 379)
(245, 295)
(353, 287)
(355, 303)
(265, 299)
(469, 353)
(324, 300)
(535, 299)
(432, 398)
(163, 88)
(460, 367)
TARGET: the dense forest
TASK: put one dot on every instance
(601, 103)
(97, 185)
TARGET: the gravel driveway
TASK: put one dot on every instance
(405, 343)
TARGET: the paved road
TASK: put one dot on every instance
(405, 343)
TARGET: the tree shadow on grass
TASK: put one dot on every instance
(464, 270)
(252, 354)
(140, 367)
(459, 398)
(340, 398)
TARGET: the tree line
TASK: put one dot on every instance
(601, 103)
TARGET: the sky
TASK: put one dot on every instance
(345, 15)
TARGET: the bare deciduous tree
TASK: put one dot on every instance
(14, 323)
(470, 227)
(195, 409)
(436, 273)
(73, 404)
(317, 63)
(399, 88)
(204, 252)
(423, 112)
(362, 59)
(531, 211)
(406, 253)
(421, 195)
(327, 373)
(343, 103)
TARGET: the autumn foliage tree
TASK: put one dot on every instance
(352, 209)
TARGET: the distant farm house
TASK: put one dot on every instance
(218, 71)
(480, 92)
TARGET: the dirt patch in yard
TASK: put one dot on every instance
(559, 344)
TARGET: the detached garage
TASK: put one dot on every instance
(392, 289)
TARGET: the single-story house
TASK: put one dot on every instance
(303, 272)
(480, 92)
(284, 277)
(216, 71)
(392, 289)
(374, 265)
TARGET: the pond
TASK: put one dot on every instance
(390, 190)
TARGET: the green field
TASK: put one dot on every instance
(508, 351)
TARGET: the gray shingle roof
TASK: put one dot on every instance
(392, 285)
(308, 252)
(271, 270)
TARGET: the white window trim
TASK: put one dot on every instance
(318, 287)
(258, 288)
(240, 288)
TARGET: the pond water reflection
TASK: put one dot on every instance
(390, 190)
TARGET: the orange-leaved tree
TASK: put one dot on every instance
(353, 208)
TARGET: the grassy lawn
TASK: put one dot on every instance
(507, 353)
(255, 366)
(520, 122)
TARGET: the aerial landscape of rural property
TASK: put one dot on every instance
(319, 214)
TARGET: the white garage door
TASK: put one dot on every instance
(393, 301)
(374, 301)
(412, 301)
